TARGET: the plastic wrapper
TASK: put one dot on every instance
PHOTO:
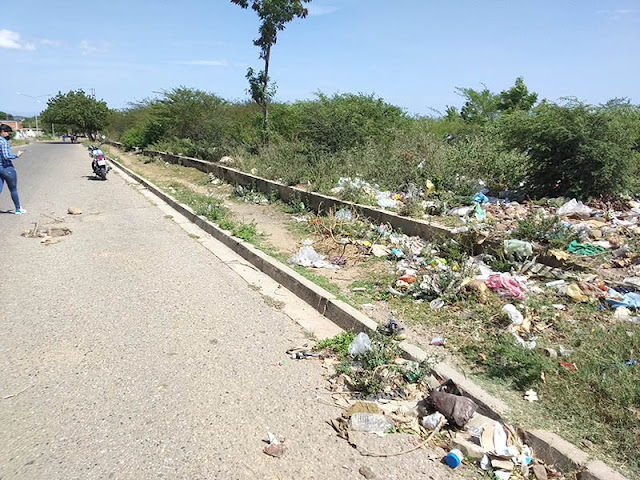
(361, 344)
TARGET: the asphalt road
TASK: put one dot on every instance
(129, 351)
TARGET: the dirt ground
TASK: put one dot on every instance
(285, 233)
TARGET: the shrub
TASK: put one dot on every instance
(577, 149)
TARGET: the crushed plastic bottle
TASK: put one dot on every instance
(371, 422)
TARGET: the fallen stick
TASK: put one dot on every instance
(412, 449)
(16, 394)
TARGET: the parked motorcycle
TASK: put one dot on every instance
(99, 161)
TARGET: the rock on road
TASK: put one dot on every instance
(129, 351)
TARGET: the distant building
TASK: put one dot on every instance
(15, 124)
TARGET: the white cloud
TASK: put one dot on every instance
(89, 48)
(206, 63)
(617, 14)
(317, 10)
(51, 43)
(11, 40)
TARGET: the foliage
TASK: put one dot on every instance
(245, 231)
(6, 116)
(143, 135)
(340, 122)
(548, 230)
(212, 208)
(274, 14)
(576, 149)
(338, 343)
(77, 112)
(516, 98)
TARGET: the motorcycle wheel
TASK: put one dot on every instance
(102, 173)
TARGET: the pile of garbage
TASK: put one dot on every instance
(410, 399)
(249, 195)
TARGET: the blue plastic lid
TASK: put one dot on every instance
(452, 460)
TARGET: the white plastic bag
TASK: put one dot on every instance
(308, 257)
(432, 421)
(573, 206)
(361, 344)
(384, 200)
(513, 313)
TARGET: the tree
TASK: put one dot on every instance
(516, 98)
(6, 116)
(480, 107)
(77, 112)
(274, 14)
(577, 149)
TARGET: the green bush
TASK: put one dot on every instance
(142, 135)
(577, 149)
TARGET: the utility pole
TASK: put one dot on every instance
(53, 131)
(37, 99)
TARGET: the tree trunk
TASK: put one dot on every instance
(265, 111)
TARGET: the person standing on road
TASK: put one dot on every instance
(7, 171)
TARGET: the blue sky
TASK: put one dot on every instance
(412, 53)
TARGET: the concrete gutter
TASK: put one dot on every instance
(316, 201)
(547, 446)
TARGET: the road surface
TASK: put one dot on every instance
(129, 351)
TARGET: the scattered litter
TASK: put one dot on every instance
(437, 341)
(531, 396)
(584, 248)
(432, 421)
(344, 214)
(455, 408)
(628, 300)
(574, 292)
(370, 422)
(513, 313)
(275, 448)
(308, 257)
(454, 458)
(564, 352)
(360, 345)
(505, 283)
(436, 304)
(517, 248)
(574, 207)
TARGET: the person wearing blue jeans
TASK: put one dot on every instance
(8, 173)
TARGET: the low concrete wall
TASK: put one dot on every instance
(315, 201)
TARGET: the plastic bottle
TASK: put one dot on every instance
(370, 422)
(454, 458)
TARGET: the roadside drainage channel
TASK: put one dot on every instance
(547, 446)
(319, 202)
(316, 201)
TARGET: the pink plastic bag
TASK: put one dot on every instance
(503, 282)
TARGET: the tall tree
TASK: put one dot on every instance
(517, 98)
(274, 14)
(480, 107)
(77, 111)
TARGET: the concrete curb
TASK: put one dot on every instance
(547, 446)
(317, 201)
